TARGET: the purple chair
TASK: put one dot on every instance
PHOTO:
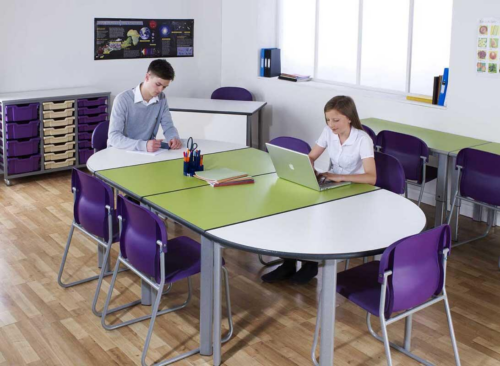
(294, 144)
(100, 137)
(94, 216)
(410, 276)
(478, 182)
(390, 173)
(370, 132)
(232, 93)
(145, 250)
(412, 153)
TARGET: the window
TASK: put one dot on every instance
(391, 45)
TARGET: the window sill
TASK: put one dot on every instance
(354, 90)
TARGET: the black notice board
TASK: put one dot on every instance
(116, 39)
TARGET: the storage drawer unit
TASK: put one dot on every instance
(84, 155)
(21, 112)
(92, 102)
(85, 111)
(39, 130)
(18, 130)
(93, 119)
(59, 164)
(59, 147)
(58, 122)
(54, 106)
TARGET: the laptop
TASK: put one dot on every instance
(297, 168)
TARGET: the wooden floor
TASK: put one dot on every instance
(44, 324)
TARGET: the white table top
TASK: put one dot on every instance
(52, 93)
(350, 227)
(112, 158)
(214, 106)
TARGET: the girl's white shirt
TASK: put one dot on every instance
(347, 158)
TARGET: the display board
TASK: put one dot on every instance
(488, 36)
(142, 38)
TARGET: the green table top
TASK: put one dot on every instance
(441, 142)
(209, 208)
(166, 176)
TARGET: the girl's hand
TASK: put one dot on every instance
(337, 178)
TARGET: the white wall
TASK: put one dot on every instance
(296, 109)
(49, 44)
(473, 107)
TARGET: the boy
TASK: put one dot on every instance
(137, 113)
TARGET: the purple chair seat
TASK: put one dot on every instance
(291, 143)
(360, 285)
(189, 252)
(390, 173)
(100, 136)
(371, 133)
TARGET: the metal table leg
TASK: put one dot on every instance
(217, 304)
(206, 296)
(454, 186)
(328, 295)
(441, 188)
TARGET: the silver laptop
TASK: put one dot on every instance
(297, 168)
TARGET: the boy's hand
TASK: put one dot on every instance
(175, 143)
(153, 145)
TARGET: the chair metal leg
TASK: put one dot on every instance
(406, 189)
(347, 261)
(63, 263)
(421, 194)
(485, 234)
(386, 341)
(450, 326)
(270, 263)
(393, 345)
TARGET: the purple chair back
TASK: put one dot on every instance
(291, 143)
(100, 136)
(480, 178)
(232, 93)
(417, 269)
(390, 173)
(140, 231)
(370, 132)
(92, 196)
(407, 149)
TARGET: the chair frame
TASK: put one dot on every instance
(157, 289)
(408, 317)
(103, 262)
(457, 201)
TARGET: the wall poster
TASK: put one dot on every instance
(488, 35)
(142, 38)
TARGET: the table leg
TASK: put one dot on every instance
(249, 131)
(217, 304)
(454, 187)
(328, 295)
(206, 295)
(441, 188)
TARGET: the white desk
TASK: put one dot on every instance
(222, 120)
(112, 158)
(350, 227)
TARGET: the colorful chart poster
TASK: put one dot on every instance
(142, 38)
(488, 36)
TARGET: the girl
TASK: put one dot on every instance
(352, 160)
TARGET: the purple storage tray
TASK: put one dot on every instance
(84, 144)
(84, 136)
(87, 127)
(17, 113)
(91, 119)
(23, 165)
(84, 155)
(92, 102)
(22, 130)
(93, 110)
(20, 148)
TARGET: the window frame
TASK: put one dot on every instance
(358, 84)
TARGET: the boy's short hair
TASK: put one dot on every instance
(162, 69)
